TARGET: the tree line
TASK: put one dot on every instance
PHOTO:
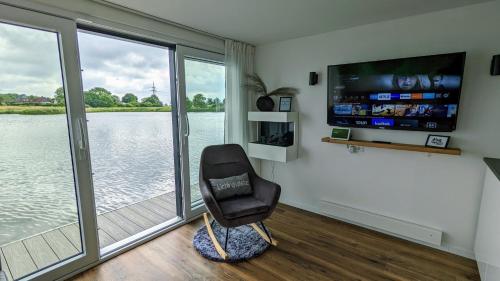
(101, 97)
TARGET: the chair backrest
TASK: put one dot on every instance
(222, 161)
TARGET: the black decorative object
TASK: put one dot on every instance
(313, 78)
(495, 65)
(265, 103)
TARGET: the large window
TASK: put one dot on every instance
(127, 95)
(99, 148)
(206, 96)
(41, 218)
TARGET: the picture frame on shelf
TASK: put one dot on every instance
(285, 104)
(437, 141)
(341, 133)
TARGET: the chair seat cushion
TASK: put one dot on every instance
(237, 207)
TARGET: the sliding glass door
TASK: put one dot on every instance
(202, 92)
(89, 167)
(46, 216)
(132, 135)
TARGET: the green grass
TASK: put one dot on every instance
(32, 110)
(129, 109)
(48, 110)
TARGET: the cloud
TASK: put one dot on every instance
(122, 66)
(206, 78)
(30, 64)
(29, 61)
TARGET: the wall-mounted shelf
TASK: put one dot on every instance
(396, 146)
(273, 152)
(260, 116)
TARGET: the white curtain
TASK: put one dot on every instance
(239, 62)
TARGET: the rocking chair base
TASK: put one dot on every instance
(264, 235)
(231, 245)
(217, 245)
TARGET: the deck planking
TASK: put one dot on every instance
(40, 251)
(61, 246)
(31, 254)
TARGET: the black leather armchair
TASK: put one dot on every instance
(221, 161)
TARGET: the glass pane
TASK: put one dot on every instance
(38, 205)
(206, 94)
(127, 96)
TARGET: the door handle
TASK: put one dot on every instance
(82, 143)
(188, 130)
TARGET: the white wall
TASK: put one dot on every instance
(438, 191)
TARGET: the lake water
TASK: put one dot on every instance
(132, 160)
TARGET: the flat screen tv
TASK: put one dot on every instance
(420, 93)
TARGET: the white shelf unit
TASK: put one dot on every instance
(272, 152)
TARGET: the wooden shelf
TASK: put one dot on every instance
(396, 146)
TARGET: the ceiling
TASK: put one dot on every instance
(265, 21)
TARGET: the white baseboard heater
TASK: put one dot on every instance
(388, 225)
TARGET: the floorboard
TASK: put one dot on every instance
(72, 232)
(105, 239)
(40, 251)
(311, 247)
(127, 225)
(114, 230)
(5, 266)
(136, 218)
(18, 259)
(26, 256)
(60, 244)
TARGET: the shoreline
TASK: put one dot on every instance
(52, 110)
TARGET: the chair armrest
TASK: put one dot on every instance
(210, 201)
(266, 191)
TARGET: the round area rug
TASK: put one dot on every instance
(244, 243)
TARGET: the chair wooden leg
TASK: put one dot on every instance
(273, 242)
(217, 246)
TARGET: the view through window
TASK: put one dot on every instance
(206, 96)
(128, 103)
(38, 209)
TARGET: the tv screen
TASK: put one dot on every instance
(420, 93)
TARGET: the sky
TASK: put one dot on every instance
(29, 61)
(29, 64)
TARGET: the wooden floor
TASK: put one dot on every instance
(34, 253)
(311, 247)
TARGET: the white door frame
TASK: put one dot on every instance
(70, 67)
(182, 53)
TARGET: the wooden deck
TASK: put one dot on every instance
(29, 255)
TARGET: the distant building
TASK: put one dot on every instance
(33, 100)
(22, 99)
(41, 100)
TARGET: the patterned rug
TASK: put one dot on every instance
(244, 243)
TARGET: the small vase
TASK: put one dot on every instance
(265, 103)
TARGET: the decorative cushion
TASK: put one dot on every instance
(231, 186)
(242, 206)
